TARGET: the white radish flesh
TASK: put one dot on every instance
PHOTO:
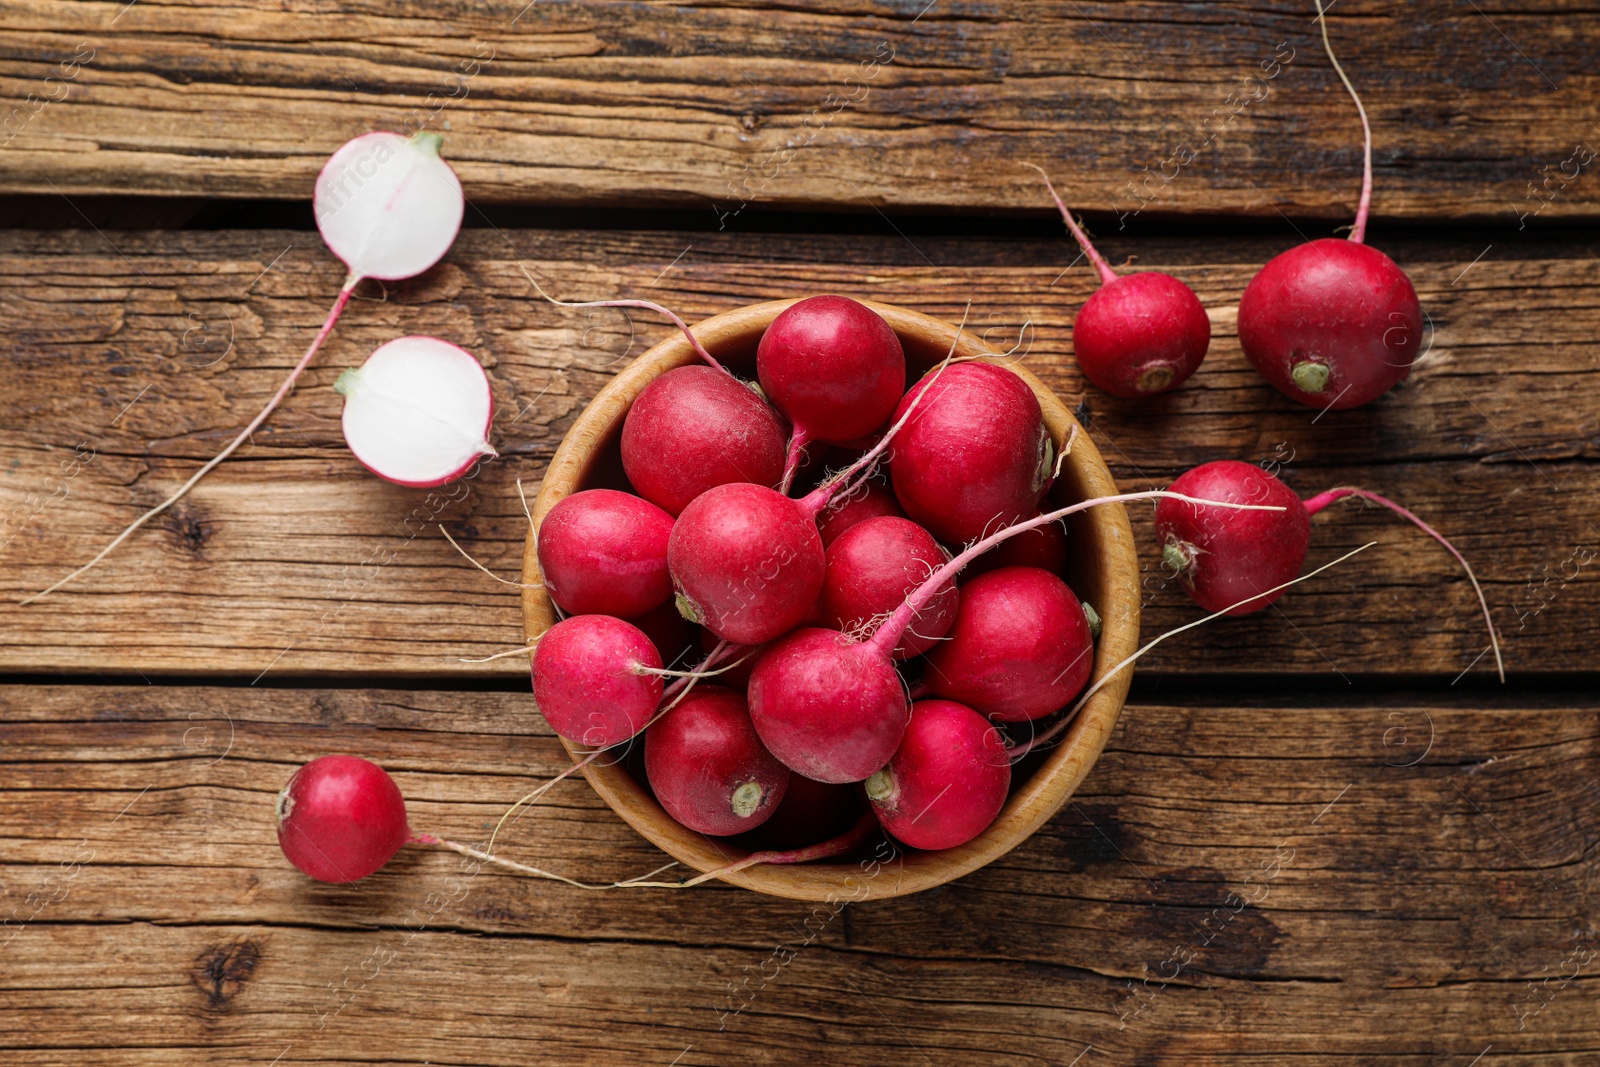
(388, 205)
(417, 412)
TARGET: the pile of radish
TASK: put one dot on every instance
(833, 601)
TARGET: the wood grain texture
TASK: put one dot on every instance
(1395, 881)
(1480, 111)
(292, 560)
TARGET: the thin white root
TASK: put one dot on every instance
(1024, 749)
(524, 497)
(663, 672)
(503, 655)
(1066, 450)
(646, 305)
(244, 435)
(486, 570)
(541, 791)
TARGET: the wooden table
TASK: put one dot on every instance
(1321, 834)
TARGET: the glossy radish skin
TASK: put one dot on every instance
(747, 562)
(707, 766)
(605, 553)
(974, 454)
(591, 679)
(1332, 324)
(417, 412)
(872, 568)
(873, 500)
(341, 818)
(1223, 556)
(1044, 547)
(828, 708)
(948, 779)
(695, 428)
(1020, 647)
(1141, 334)
(833, 367)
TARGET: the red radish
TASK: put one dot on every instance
(809, 812)
(870, 500)
(386, 205)
(1044, 547)
(1333, 323)
(417, 412)
(603, 552)
(695, 428)
(974, 455)
(1222, 558)
(748, 562)
(832, 707)
(709, 769)
(1020, 647)
(871, 569)
(341, 818)
(596, 679)
(834, 368)
(948, 779)
(1140, 334)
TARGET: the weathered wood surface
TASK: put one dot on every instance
(1420, 887)
(291, 558)
(1480, 111)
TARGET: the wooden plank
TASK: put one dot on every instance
(1195, 903)
(1195, 110)
(292, 559)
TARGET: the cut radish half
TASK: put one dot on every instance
(388, 205)
(417, 412)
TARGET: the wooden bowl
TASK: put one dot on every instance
(1103, 571)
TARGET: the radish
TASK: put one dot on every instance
(341, 818)
(834, 368)
(417, 412)
(831, 706)
(1221, 559)
(748, 562)
(1140, 334)
(1020, 647)
(1043, 546)
(596, 679)
(948, 779)
(603, 552)
(870, 500)
(709, 769)
(389, 207)
(974, 454)
(695, 428)
(1333, 323)
(870, 570)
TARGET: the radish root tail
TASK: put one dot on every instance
(1358, 231)
(277, 398)
(842, 845)
(645, 305)
(1322, 500)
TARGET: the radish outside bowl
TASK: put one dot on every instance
(1103, 570)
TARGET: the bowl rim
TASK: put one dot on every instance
(1030, 804)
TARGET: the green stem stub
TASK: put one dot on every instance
(345, 384)
(880, 787)
(688, 609)
(1310, 377)
(283, 807)
(1178, 557)
(1095, 625)
(427, 142)
(1156, 378)
(747, 799)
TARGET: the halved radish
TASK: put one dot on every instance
(388, 205)
(417, 412)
